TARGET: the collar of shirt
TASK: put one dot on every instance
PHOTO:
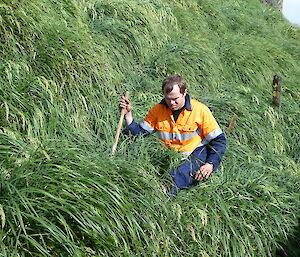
(187, 104)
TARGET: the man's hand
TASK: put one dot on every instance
(126, 106)
(204, 172)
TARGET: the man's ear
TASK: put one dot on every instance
(185, 92)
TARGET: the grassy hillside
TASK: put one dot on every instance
(65, 64)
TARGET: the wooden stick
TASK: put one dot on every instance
(231, 124)
(123, 111)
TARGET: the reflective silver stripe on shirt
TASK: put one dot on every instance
(175, 136)
(185, 155)
(146, 126)
(210, 136)
(213, 134)
(203, 142)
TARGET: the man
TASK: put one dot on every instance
(185, 125)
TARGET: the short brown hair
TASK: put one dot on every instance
(169, 82)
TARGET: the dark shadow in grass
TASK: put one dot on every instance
(291, 248)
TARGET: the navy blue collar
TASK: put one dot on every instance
(187, 104)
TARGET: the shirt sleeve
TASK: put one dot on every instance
(215, 150)
(134, 128)
(213, 138)
(146, 126)
(208, 125)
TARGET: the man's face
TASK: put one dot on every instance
(175, 100)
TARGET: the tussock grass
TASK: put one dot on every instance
(64, 65)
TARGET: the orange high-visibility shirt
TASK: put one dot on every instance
(194, 127)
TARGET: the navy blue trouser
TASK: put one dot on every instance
(183, 176)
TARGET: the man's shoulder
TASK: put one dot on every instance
(158, 107)
(197, 104)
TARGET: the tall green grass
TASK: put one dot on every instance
(64, 66)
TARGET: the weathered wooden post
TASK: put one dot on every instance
(277, 91)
